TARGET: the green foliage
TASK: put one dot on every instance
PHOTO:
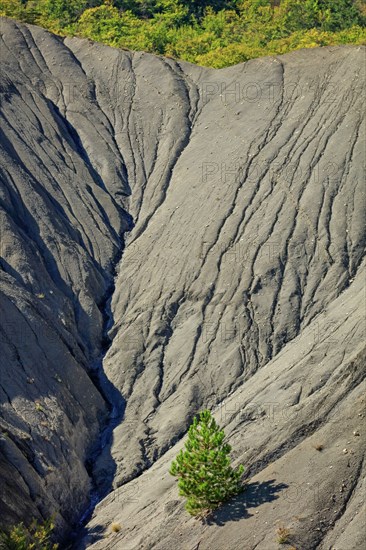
(238, 53)
(328, 15)
(36, 537)
(105, 23)
(203, 468)
(13, 8)
(215, 33)
(197, 8)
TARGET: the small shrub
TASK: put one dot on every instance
(282, 534)
(318, 446)
(38, 406)
(115, 527)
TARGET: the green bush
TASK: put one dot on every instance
(203, 469)
(36, 537)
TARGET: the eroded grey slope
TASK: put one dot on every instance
(246, 189)
(260, 229)
(60, 229)
(309, 395)
(64, 190)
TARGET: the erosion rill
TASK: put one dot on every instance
(240, 289)
(102, 481)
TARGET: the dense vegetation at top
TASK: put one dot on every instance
(214, 33)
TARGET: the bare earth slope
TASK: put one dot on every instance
(239, 289)
(308, 395)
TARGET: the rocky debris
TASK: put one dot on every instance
(239, 287)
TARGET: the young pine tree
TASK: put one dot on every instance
(203, 469)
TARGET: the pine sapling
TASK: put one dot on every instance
(203, 468)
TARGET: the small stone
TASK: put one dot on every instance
(345, 451)
(356, 433)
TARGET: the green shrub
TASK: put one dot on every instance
(36, 537)
(203, 469)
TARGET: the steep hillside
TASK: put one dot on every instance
(237, 199)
